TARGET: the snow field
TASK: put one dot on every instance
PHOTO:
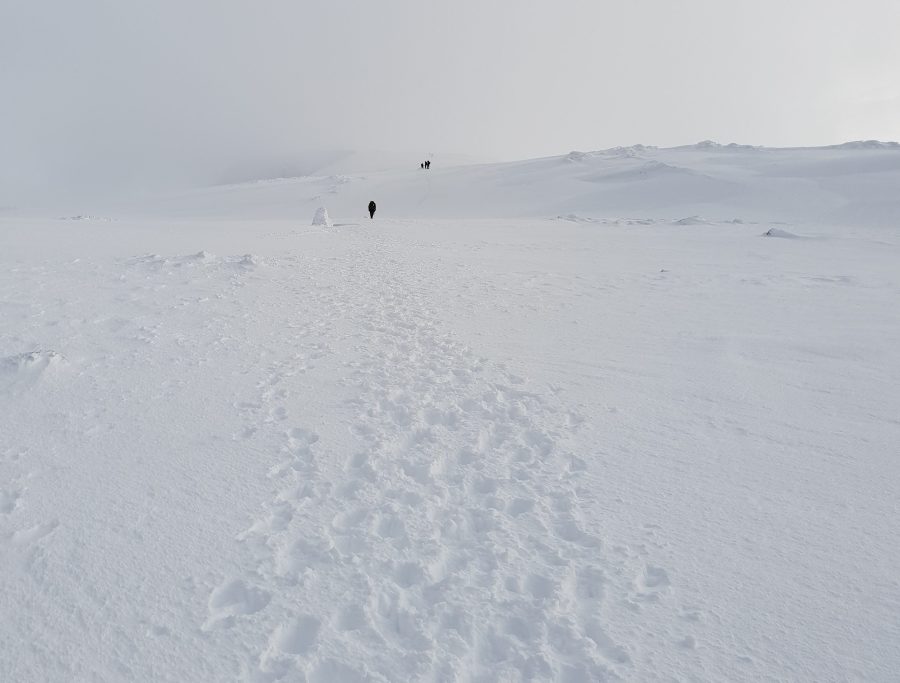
(460, 478)
(611, 446)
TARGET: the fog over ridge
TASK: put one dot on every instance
(103, 97)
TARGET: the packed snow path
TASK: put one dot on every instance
(447, 542)
(473, 450)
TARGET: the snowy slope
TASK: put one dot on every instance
(560, 419)
(855, 184)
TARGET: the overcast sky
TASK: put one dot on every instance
(129, 92)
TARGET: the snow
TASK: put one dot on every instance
(322, 218)
(563, 419)
(778, 232)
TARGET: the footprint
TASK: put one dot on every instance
(605, 644)
(244, 434)
(650, 583)
(278, 520)
(688, 643)
(391, 526)
(408, 574)
(569, 530)
(233, 598)
(519, 506)
(9, 499)
(277, 415)
(485, 485)
(32, 534)
(352, 618)
(297, 636)
(303, 554)
(358, 460)
(590, 583)
(654, 577)
(331, 671)
(540, 587)
(299, 437)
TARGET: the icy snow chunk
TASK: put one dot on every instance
(322, 218)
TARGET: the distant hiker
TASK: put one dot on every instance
(427, 164)
(422, 165)
(371, 209)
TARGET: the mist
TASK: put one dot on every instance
(102, 98)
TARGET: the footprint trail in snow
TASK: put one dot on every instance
(443, 540)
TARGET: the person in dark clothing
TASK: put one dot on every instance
(428, 164)
(421, 165)
(371, 209)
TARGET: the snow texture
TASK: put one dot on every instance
(564, 419)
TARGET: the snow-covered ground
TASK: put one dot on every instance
(570, 419)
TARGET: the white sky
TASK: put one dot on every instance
(121, 92)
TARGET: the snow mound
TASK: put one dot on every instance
(657, 167)
(691, 220)
(202, 258)
(646, 171)
(713, 145)
(778, 232)
(80, 217)
(577, 156)
(866, 144)
(629, 152)
(322, 218)
(159, 261)
(248, 261)
(575, 218)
